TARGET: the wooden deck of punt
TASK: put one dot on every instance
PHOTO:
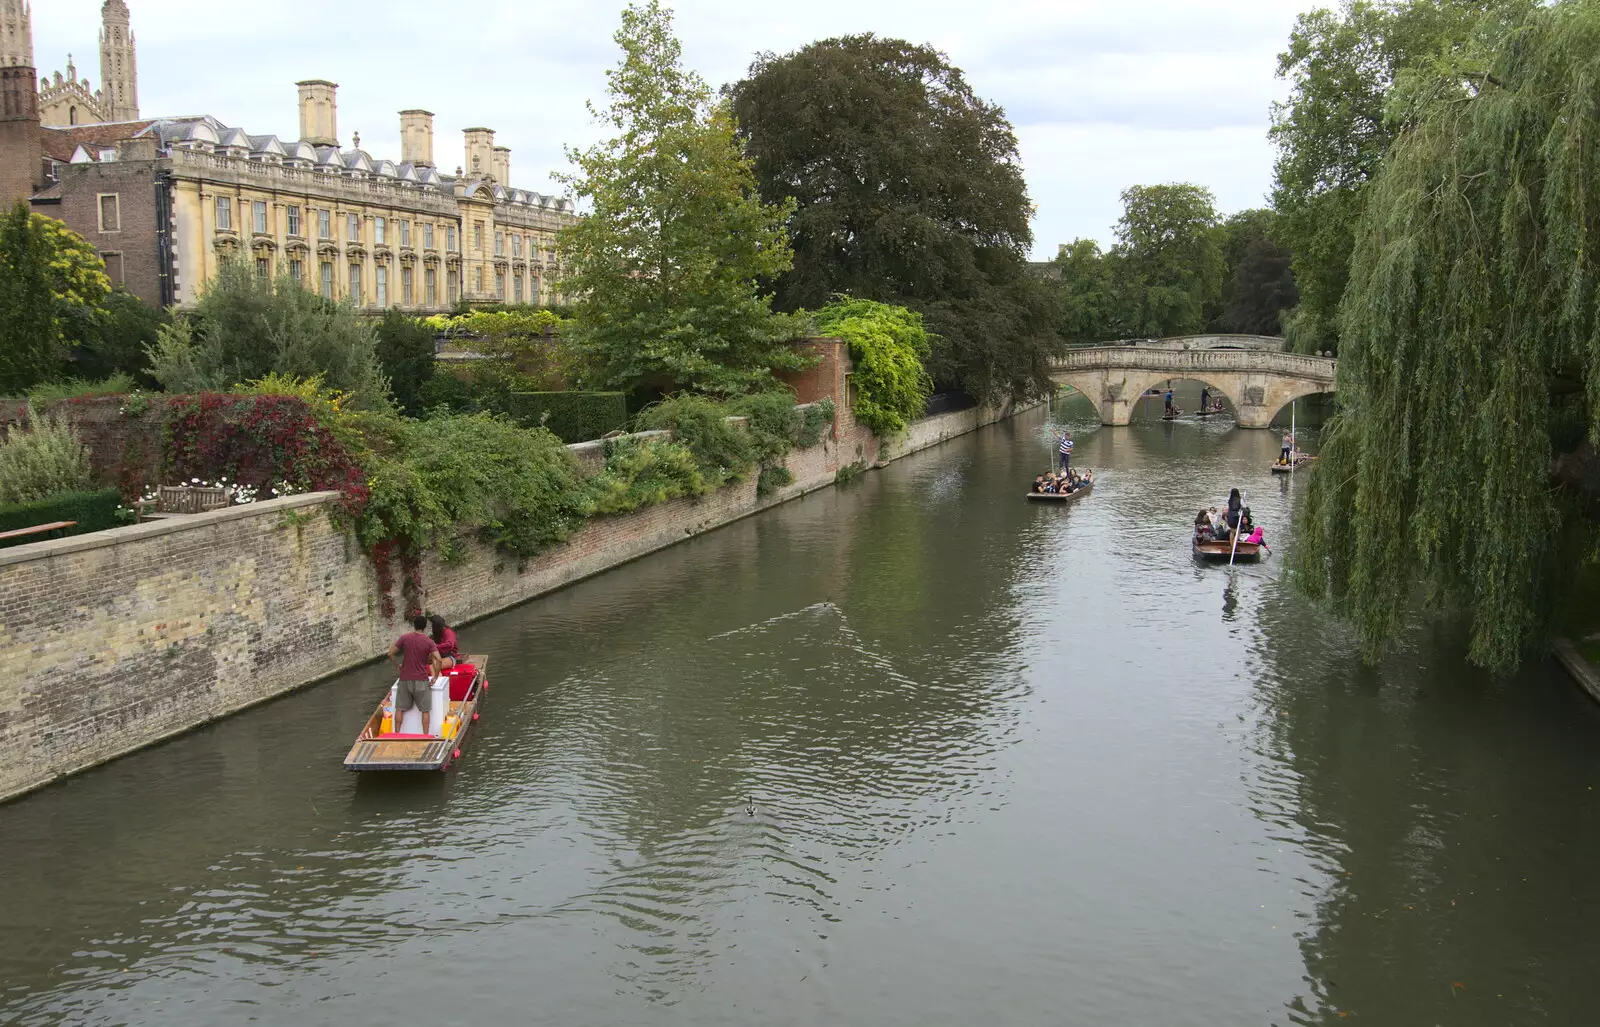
(1059, 498)
(1223, 551)
(1298, 465)
(371, 752)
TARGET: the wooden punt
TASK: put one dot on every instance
(375, 750)
(1057, 497)
(1221, 552)
(1290, 468)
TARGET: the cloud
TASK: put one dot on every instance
(1103, 95)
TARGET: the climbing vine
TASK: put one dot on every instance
(890, 348)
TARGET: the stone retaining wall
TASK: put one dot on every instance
(112, 641)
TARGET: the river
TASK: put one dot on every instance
(912, 751)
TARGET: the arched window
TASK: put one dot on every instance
(72, 115)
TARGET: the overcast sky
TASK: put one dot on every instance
(1103, 93)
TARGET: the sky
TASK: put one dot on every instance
(1103, 94)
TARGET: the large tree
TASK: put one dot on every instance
(1260, 282)
(51, 280)
(1335, 128)
(909, 191)
(1171, 262)
(1470, 357)
(667, 265)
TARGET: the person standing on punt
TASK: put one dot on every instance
(1235, 511)
(1065, 449)
(1168, 410)
(1288, 447)
(417, 659)
(1205, 399)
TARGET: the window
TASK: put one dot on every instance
(297, 270)
(353, 229)
(533, 288)
(500, 285)
(263, 267)
(516, 287)
(427, 237)
(224, 214)
(405, 234)
(479, 282)
(477, 236)
(113, 266)
(430, 287)
(110, 213)
(516, 245)
(380, 231)
(327, 278)
(499, 244)
(405, 287)
(383, 285)
(454, 286)
(355, 284)
(258, 217)
(324, 224)
(294, 220)
(450, 239)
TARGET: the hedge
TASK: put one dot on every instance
(572, 416)
(94, 511)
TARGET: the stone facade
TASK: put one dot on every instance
(114, 641)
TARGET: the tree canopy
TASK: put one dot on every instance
(909, 191)
(1260, 283)
(668, 263)
(245, 327)
(1172, 265)
(52, 284)
(1333, 132)
(1470, 353)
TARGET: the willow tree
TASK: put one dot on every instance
(1470, 356)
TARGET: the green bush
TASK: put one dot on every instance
(890, 349)
(118, 384)
(42, 460)
(724, 452)
(94, 511)
(643, 473)
(572, 416)
(772, 479)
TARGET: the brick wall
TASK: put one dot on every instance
(126, 452)
(113, 641)
(20, 160)
(128, 242)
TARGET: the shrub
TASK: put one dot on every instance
(572, 416)
(118, 384)
(274, 444)
(724, 452)
(43, 459)
(772, 479)
(643, 473)
(890, 348)
(94, 511)
(405, 352)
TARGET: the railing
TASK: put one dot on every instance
(1298, 365)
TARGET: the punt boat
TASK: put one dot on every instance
(384, 745)
(1300, 462)
(1221, 552)
(1062, 497)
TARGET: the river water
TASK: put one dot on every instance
(912, 751)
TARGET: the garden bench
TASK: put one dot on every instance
(38, 529)
(185, 499)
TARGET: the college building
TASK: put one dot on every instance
(166, 200)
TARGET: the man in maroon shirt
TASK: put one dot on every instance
(418, 661)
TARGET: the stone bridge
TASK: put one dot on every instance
(1259, 382)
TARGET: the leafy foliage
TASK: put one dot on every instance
(1333, 133)
(49, 278)
(116, 385)
(667, 264)
(405, 353)
(111, 338)
(909, 191)
(1171, 266)
(1260, 284)
(273, 442)
(1470, 342)
(572, 416)
(1087, 293)
(888, 346)
(44, 458)
(245, 327)
(722, 451)
(642, 473)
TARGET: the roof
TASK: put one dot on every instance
(60, 143)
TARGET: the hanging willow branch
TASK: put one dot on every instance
(1472, 291)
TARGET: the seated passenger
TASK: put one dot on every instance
(1202, 526)
(444, 638)
(1257, 537)
(1038, 485)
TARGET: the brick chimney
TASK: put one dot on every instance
(416, 138)
(319, 112)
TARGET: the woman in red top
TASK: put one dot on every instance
(445, 639)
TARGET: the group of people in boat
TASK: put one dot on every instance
(1221, 526)
(421, 656)
(1062, 483)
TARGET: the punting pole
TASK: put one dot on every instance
(1243, 497)
(1294, 436)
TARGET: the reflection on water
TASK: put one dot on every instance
(910, 751)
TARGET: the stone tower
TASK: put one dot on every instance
(16, 35)
(119, 72)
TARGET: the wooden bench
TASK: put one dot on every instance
(38, 529)
(189, 499)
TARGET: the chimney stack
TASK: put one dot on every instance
(480, 152)
(319, 112)
(502, 165)
(416, 138)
